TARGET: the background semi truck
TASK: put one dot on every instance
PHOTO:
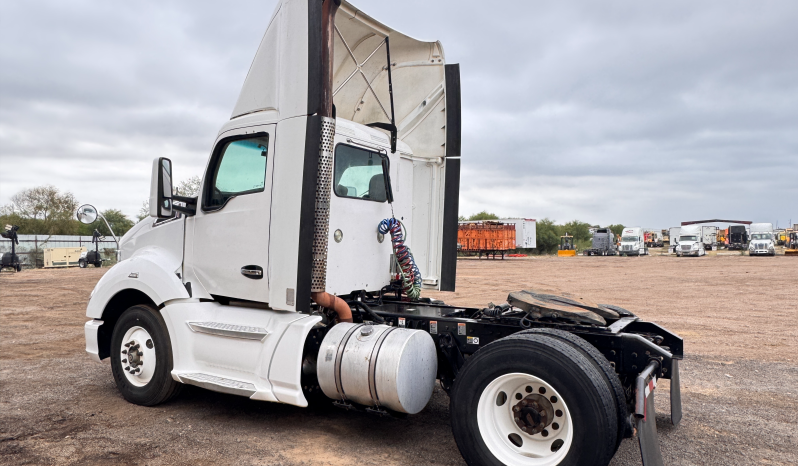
(762, 242)
(738, 237)
(691, 241)
(330, 179)
(603, 243)
(633, 242)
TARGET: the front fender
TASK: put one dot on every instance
(151, 270)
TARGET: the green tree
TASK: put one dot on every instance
(484, 215)
(617, 229)
(118, 221)
(547, 236)
(42, 210)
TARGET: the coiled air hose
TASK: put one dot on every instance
(411, 277)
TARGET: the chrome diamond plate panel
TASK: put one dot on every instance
(219, 384)
(229, 330)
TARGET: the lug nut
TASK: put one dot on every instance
(516, 409)
(141, 354)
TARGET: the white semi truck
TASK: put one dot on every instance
(691, 241)
(289, 277)
(761, 242)
(633, 242)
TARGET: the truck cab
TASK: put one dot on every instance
(691, 241)
(633, 242)
(762, 241)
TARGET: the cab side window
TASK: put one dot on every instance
(238, 168)
(358, 174)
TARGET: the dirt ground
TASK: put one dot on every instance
(739, 378)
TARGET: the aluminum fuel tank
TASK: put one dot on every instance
(378, 365)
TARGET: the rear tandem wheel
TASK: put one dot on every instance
(533, 400)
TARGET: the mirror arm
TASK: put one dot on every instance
(191, 204)
(109, 228)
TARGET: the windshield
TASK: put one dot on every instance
(761, 236)
(688, 238)
(630, 239)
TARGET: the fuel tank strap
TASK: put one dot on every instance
(373, 366)
(339, 357)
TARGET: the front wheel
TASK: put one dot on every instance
(81, 263)
(141, 357)
(532, 400)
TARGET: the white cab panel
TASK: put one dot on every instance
(245, 361)
(223, 241)
(289, 163)
(152, 261)
(360, 261)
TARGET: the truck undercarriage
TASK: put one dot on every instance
(638, 353)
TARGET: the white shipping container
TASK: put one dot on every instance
(525, 231)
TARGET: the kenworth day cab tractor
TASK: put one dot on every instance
(290, 278)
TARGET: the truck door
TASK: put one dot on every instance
(227, 240)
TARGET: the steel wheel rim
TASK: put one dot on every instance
(500, 432)
(138, 369)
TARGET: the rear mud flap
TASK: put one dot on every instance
(647, 435)
(676, 394)
(646, 416)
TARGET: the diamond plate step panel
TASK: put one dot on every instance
(229, 330)
(219, 384)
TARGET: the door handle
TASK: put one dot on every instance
(254, 272)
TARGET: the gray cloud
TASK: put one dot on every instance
(608, 112)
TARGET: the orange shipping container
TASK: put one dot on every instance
(488, 236)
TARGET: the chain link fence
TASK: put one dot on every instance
(31, 247)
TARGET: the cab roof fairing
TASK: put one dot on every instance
(417, 74)
(276, 86)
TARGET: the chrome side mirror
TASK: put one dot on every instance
(86, 214)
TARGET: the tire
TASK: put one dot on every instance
(97, 264)
(481, 418)
(153, 384)
(603, 365)
(81, 263)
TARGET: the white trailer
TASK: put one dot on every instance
(674, 238)
(525, 231)
(761, 242)
(318, 163)
(709, 235)
(691, 241)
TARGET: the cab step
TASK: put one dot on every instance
(218, 384)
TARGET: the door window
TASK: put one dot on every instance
(358, 174)
(239, 168)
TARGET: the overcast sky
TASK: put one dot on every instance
(628, 112)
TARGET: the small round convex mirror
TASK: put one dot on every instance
(86, 214)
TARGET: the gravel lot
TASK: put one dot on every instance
(739, 379)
